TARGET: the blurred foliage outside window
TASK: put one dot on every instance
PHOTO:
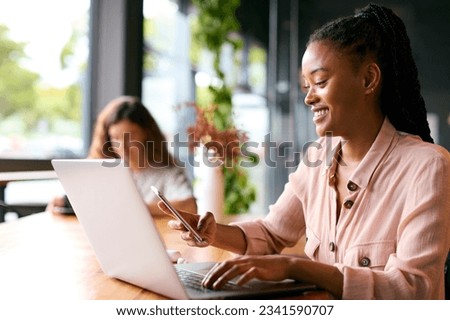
(161, 55)
(43, 60)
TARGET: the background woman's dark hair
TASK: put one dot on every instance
(131, 109)
(378, 31)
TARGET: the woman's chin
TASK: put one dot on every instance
(321, 130)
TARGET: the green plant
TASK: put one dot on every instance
(217, 25)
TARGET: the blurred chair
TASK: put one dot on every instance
(21, 210)
(25, 197)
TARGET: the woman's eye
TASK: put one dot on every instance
(319, 84)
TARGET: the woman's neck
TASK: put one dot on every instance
(355, 147)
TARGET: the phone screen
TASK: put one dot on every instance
(177, 214)
(64, 210)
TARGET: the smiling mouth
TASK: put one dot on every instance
(320, 113)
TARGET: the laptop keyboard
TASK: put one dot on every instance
(194, 281)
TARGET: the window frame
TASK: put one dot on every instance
(114, 67)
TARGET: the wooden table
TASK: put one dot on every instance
(44, 256)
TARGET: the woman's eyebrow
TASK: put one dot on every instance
(314, 71)
(317, 70)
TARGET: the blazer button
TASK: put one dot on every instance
(364, 262)
(332, 246)
(348, 204)
(352, 186)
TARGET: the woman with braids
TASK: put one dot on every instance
(126, 130)
(376, 213)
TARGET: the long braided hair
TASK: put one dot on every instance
(378, 31)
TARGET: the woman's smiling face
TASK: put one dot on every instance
(334, 88)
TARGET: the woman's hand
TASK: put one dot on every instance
(187, 204)
(276, 268)
(54, 204)
(246, 268)
(205, 225)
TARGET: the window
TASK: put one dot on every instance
(167, 71)
(177, 70)
(43, 60)
(167, 75)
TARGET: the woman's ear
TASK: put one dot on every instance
(372, 78)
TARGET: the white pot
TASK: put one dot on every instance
(209, 185)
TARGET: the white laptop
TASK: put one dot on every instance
(126, 242)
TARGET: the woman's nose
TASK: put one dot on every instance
(311, 97)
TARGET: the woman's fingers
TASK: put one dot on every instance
(246, 268)
(176, 225)
(223, 272)
(164, 208)
(213, 274)
(247, 276)
(205, 225)
(205, 221)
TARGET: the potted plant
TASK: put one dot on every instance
(214, 127)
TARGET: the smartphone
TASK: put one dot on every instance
(177, 214)
(66, 208)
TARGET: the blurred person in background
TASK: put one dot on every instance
(126, 130)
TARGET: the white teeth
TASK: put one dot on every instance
(320, 112)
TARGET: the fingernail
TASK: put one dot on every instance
(171, 223)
